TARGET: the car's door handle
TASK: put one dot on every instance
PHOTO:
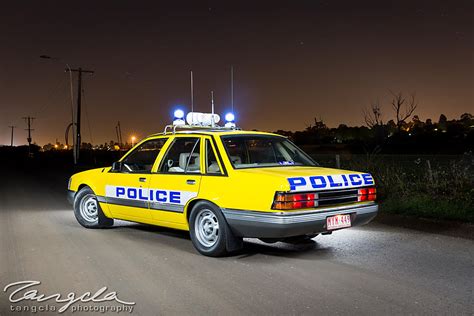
(189, 181)
(142, 179)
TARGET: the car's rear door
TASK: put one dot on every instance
(127, 193)
(176, 181)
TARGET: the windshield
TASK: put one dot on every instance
(251, 151)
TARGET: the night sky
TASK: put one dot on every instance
(293, 60)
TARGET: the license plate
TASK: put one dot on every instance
(338, 221)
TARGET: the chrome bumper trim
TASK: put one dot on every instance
(280, 225)
(290, 217)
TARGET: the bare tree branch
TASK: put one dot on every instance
(373, 115)
(402, 107)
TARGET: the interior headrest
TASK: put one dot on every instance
(193, 164)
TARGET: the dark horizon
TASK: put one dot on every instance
(292, 62)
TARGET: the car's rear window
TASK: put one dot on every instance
(253, 151)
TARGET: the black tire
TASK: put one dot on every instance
(89, 218)
(224, 242)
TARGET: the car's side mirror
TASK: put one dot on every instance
(116, 166)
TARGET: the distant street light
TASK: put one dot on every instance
(133, 140)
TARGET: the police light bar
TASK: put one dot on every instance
(179, 118)
(230, 120)
(179, 114)
(202, 119)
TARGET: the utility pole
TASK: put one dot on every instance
(119, 134)
(78, 111)
(116, 132)
(12, 127)
(28, 120)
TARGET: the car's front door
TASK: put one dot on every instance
(176, 181)
(127, 193)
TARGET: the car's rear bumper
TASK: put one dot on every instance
(70, 196)
(279, 225)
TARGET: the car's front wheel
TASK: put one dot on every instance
(210, 233)
(87, 210)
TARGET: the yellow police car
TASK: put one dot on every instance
(223, 184)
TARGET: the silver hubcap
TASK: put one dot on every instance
(206, 227)
(89, 208)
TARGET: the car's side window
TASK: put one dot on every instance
(184, 156)
(142, 158)
(212, 166)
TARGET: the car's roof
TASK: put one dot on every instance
(211, 131)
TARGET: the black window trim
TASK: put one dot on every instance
(215, 149)
(219, 156)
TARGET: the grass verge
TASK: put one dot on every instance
(427, 206)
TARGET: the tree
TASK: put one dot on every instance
(318, 125)
(442, 119)
(373, 115)
(467, 119)
(403, 108)
(442, 122)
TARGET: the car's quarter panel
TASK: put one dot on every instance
(241, 190)
(255, 188)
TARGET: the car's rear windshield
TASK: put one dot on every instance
(254, 151)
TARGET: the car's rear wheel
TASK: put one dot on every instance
(209, 230)
(87, 210)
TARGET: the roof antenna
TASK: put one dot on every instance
(192, 93)
(232, 87)
(212, 108)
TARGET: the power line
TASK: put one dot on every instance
(87, 116)
(71, 94)
(77, 146)
(53, 93)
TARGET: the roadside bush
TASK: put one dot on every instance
(435, 186)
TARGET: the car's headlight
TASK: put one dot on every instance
(69, 184)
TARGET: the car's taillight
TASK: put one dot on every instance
(367, 194)
(291, 201)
